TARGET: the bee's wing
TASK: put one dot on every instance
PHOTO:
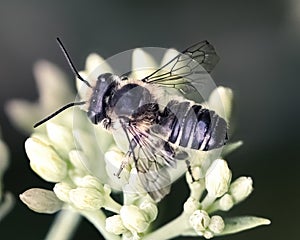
(183, 71)
(152, 163)
(156, 182)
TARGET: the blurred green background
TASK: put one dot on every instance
(259, 46)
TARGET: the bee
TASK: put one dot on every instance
(156, 135)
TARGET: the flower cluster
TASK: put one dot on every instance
(82, 161)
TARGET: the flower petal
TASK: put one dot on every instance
(241, 188)
(168, 56)
(53, 86)
(22, 113)
(218, 178)
(134, 219)
(143, 64)
(45, 161)
(220, 100)
(87, 198)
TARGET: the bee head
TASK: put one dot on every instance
(99, 100)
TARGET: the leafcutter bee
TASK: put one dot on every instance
(156, 134)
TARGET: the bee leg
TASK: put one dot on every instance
(132, 145)
(123, 165)
(182, 155)
(188, 164)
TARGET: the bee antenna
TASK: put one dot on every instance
(71, 64)
(57, 112)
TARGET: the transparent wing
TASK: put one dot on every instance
(152, 163)
(183, 71)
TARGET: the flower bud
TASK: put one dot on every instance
(62, 191)
(61, 137)
(114, 225)
(141, 62)
(208, 234)
(241, 188)
(150, 209)
(134, 219)
(216, 224)
(191, 205)
(41, 200)
(199, 220)
(78, 159)
(218, 178)
(225, 202)
(113, 159)
(220, 101)
(45, 161)
(89, 182)
(87, 198)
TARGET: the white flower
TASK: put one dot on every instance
(45, 161)
(61, 137)
(206, 226)
(89, 181)
(142, 63)
(220, 100)
(150, 208)
(199, 220)
(225, 202)
(216, 224)
(83, 159)
(87, 198)
(241, 188)
(54, 91)
(79, 160)
(191, 205)
(62, 190)
(217, 179)
(134, 219)
(115, 225)
(113, 159)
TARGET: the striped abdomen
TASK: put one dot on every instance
(192, 126)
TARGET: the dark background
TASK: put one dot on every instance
(259, 46)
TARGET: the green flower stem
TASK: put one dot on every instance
(64, 225)
(175, 228)
(112, 205)
(213, 207)
(6, 204)
(97, 218)
(207, 201)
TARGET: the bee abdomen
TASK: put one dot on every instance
(192, 126)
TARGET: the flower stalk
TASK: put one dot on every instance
(175, 228)
(64, 225)
(97, 218)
